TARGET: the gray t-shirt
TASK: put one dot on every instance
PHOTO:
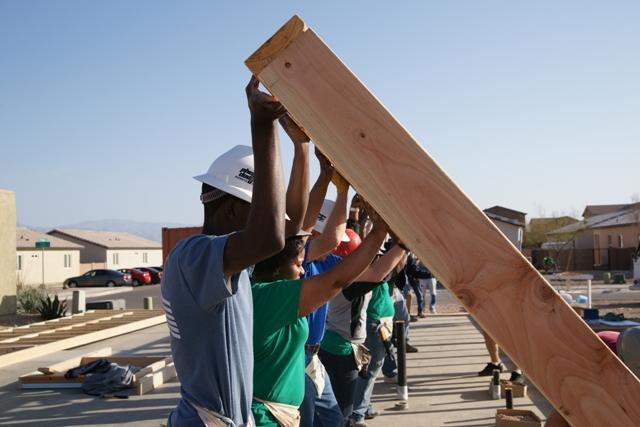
(210, 320)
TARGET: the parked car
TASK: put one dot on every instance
(101, 277)
(138, 277)
(158, 268)
(156, 276)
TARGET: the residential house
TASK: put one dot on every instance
(605, 231)
(48, 265)
(110, 249)
(536, 231)
(510, 222)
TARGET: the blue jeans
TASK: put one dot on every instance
(320, 411)
(343, 373)
(417, 290)
(431, 284)
(364, 387)
(389, 368)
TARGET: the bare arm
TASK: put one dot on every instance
(335, 226)
(263, 234)
(319, 289)
(298, 190)
(377, 271)
(318, 192)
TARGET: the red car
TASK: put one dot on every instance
(138, 277)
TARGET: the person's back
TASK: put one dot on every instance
(210, 337)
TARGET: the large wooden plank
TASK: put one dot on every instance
(579, 375)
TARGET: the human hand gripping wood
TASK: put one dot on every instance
(294, 131)
(263, 107)
(539, 331)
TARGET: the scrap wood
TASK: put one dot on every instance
(505, 294)
(155, 370)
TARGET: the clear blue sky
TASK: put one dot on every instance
(107, 109)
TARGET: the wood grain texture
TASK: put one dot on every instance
(578, 374)
(270, 50)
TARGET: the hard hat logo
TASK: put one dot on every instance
(245, 175)
(231, 173)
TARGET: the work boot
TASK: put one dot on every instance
(488, 370)
(413, 318)
(421, 314)
(410, 348)
(371, 413)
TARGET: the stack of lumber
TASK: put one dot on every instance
(27, 342)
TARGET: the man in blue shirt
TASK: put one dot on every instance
(206, 292)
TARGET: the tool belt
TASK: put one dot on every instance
(287, 415)
(315, 371)
(211, 418)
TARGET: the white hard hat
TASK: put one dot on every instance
(232, 173)
(325, 211)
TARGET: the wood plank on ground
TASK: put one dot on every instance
(17, 353)
(583, 379)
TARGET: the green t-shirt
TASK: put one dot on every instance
(381, 304)
(279, 335)
(335, 344)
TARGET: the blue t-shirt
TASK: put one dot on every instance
(210, 321)
(317, 319)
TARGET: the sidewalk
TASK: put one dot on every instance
(444, 389)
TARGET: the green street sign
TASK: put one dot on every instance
(43, 243)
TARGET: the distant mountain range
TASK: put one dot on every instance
(148, 230)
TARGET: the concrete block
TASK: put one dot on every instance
(79, 303)
(114, 304)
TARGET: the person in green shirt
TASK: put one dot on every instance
(280, 303)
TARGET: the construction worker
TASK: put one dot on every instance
(326, 220)
(206, 291)
(281, 302)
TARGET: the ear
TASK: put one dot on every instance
(229, 208)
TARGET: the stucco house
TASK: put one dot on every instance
(603, 228)
(110, 249)
(510, 222)
(50, 265)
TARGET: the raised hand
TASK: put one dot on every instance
(263, 107)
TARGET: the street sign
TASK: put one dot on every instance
(43, 243)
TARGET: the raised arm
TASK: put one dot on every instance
(319, 289)
(318, 192)
(336, 222)
(263, 234)
(298, 189)
(384, 265)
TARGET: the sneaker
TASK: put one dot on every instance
(371, 414)
(413, 318)
(488, 370)
(391, 380)
(422, 315)
(410, 349)
(516, 377)
(354, 423)
(433, 310)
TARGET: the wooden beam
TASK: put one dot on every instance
(74, 362)
(20, 355)
(577, 373)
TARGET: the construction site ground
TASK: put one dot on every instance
(444, 389)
